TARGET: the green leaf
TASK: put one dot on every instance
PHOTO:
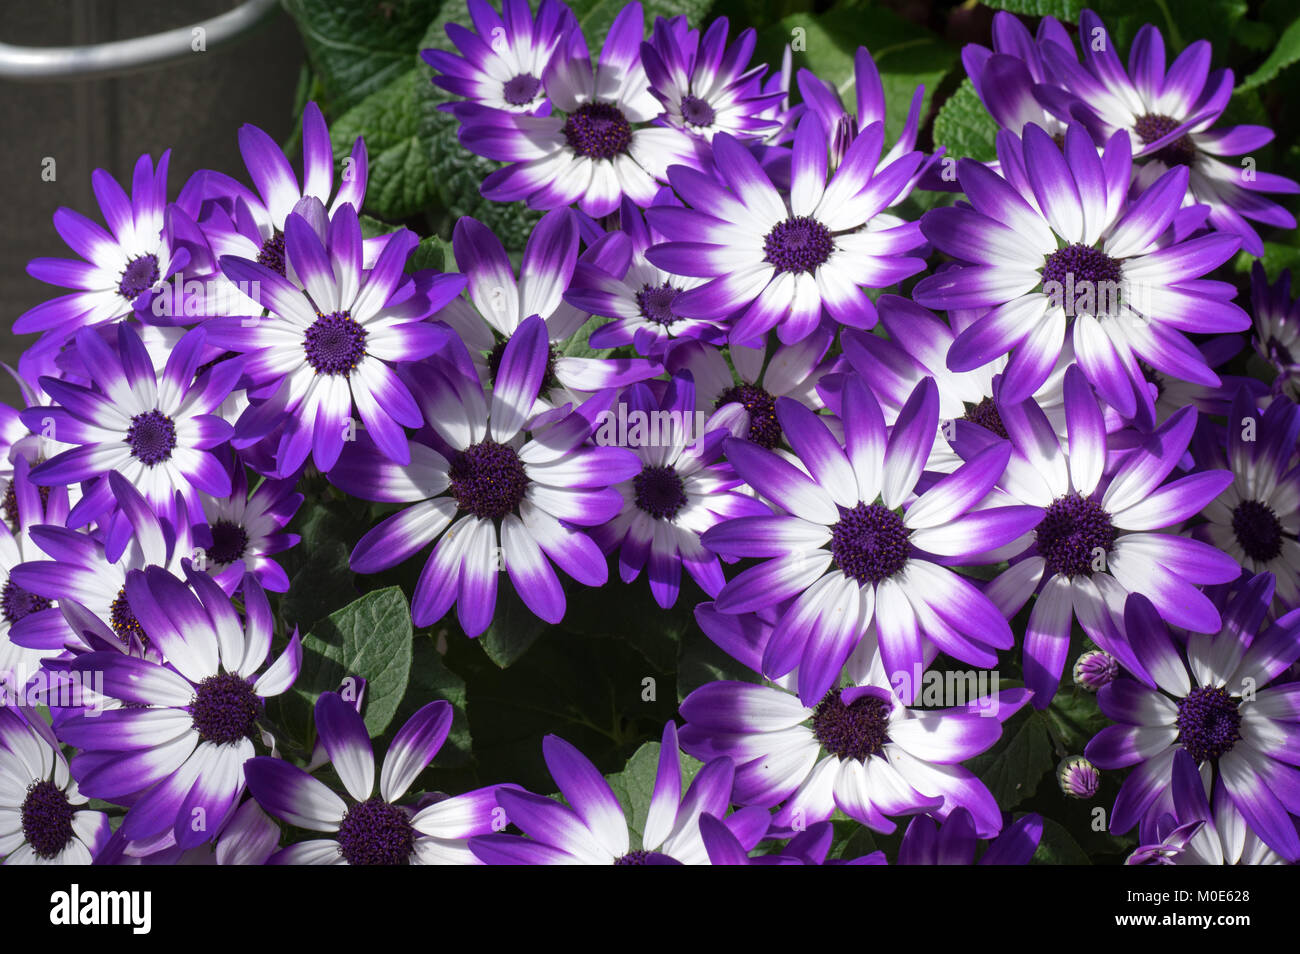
(371, 227)
(514, 627)
(431, 680)
(1284, 54)
(371, 638)
(433, 252)
(1015, 765)
(964, 127)
(1061, 9)
(357, 47)
(1058, 847)
(1075, 718)
(400, 177)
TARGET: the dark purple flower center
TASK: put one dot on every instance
(488, 480)
(549, 380)
(334, 344)
(1209, 723)
(10, 505)
(639, 857)
(1280, 353)
(659, 491)
(152, 437)
(856, 731)
(598, 131)
(139, 276)
(656, 303)
(229, 541)
(47, 819)
(522, 89)
(1152, 377)
(1180, 152)
(869, 544)
(1083, 280)
(764, 427)
(225, 709)
(697, 112)
(272, 253)
(17, 603)
(799, 244)
(1072, 534)
(123, 621)
(374, 832)
(1258, 530)
(986, 415)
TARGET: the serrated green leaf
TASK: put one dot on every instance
(964, 127)
(357, 47)
(1068, 10)
(433, 252)
(1285, 53)
(1015, 765)
(370, 638)
(635, 785)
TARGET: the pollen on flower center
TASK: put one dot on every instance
(334, 344)
(139, 276)
(152, 436)
(521, 90)
(1258, 530)
(869, 543)
(122, 619)
(17, 603)
(697, 112)
(271, 254)
(1071, 533)
(374, 832)
(46, 816)
(598, 131)
(639, 857)
(229, 541)
(656, 303)
(986, 415)
(1180, 152)
(799, 244)
(764, 426)
(858, 730)
(659, 491)
(1083, 279)
(488, 480)
(225, 709)
(1209, 722)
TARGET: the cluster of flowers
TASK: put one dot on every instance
(1035, 410)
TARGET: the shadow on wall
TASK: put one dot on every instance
(194, 107)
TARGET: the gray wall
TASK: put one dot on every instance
(194, 107)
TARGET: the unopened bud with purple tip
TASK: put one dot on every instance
(1078, 777)
(1095, 669)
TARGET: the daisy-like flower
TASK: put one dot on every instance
(591, 829)
(953, 841)
(331, 346)
(1192, 832)
(762, 374)
(1277, 328)
(858, 749)
(508, 490)
(118, 269)
(682, 489)
(1056, 245)
(156, 430)
(242, 532)
(175, 749)
(31, 509)
(858, 565)
(43, 817)
(1169, 115)
(501, 66)
(706, 86)
(1211, 698)
(1257, 517)
(496, 302)
(617, 280)
(597, 145)
(778, 262)
(372, 828)
(1097, 539)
